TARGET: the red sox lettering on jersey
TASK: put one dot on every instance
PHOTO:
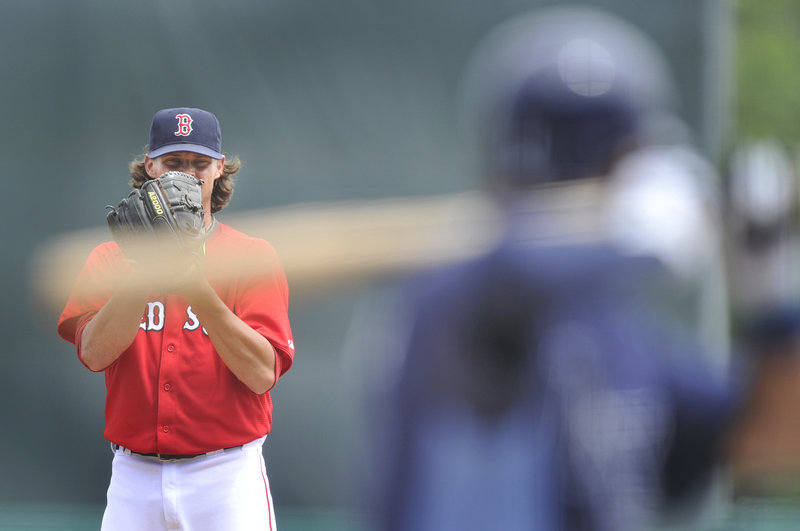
(184, 125)
(153, 318)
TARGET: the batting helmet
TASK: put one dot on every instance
(560, 93)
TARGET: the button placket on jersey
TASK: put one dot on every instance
(168, 375)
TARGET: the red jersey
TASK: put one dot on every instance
(170, 392)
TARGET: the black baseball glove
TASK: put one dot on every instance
(164, 214)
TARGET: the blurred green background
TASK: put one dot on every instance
(322, 101)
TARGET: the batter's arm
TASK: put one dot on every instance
(113, 328)
(246, 353)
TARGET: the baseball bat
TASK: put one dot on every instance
(324, 246)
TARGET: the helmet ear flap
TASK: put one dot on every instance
(523, 153)
(560, 138)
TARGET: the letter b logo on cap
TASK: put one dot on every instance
(185, 129)
(184, 125)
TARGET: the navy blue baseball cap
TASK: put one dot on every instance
(185, 129)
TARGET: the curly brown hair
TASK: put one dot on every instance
(223, 187)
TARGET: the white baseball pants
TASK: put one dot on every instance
(220, 492)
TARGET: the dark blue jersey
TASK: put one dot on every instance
(543, 388)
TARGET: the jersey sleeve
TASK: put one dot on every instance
(91, 290)
(262, 302)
